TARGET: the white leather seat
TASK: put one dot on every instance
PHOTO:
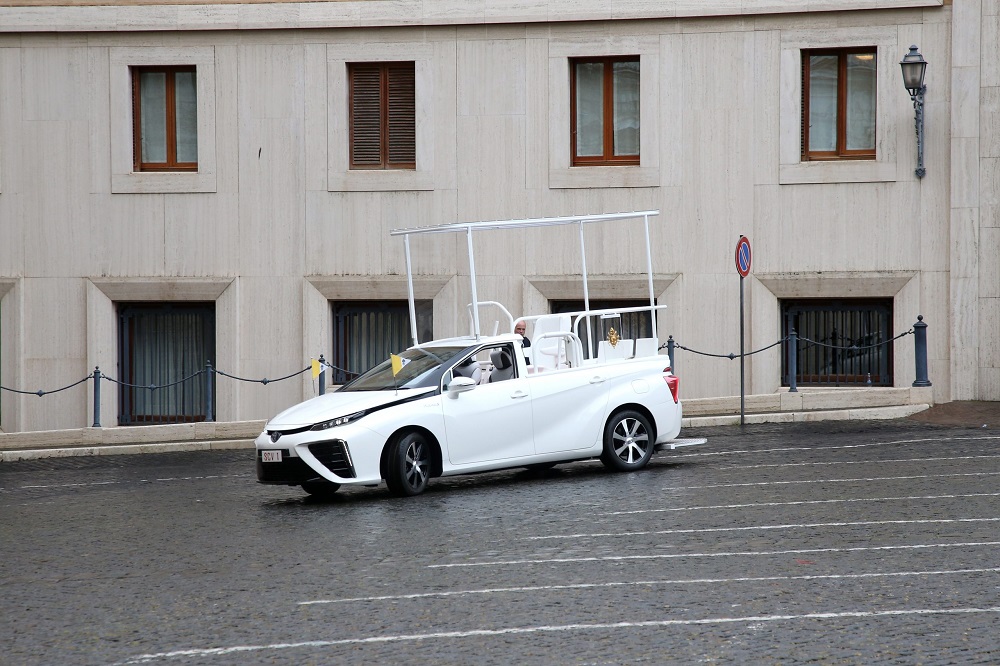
(549, 352)
(646, 347)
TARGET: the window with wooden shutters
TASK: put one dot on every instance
(383, 115)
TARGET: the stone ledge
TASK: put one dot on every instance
(182, 433)
(809, 399)
(860, 414)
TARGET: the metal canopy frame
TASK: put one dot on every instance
(469, 227)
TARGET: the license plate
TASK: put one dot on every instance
(270, 456)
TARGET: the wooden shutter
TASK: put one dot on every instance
(366, 116)
(401, 112)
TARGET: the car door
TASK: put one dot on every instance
(567, 408)
(491, 422)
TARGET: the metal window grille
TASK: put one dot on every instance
(159, 344)
(845, 331)
(628, 325)
(365, 333)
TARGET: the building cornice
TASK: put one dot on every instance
(156, 15)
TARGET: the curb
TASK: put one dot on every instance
(857, 414)
(125, 449)
(872, 413)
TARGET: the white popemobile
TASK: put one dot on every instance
(479, 403)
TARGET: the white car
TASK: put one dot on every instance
(478, 403)
(459, 406)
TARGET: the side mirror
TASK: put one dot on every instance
(460, 385)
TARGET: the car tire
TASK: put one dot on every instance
(628, 441)
(321, 489)
(408, 467)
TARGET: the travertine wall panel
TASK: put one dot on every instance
(120, 230)
(491, 164)
(316, 108)
(430, 254)
(12, 247)
(989, 266)
(491, 77)
(98, 95)
(271, 159)
(54, 351)
(989, 122)
(65, 72)
(228, 115)
(56, 221)
(200, 234)
(261, 353)
(715, 299)
(11, 335)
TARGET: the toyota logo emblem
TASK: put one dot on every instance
(275, 435)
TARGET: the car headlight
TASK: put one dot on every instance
(339, 421)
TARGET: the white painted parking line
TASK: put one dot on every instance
(481, 633)
(785, 449)
(755, 528)
(676, 581)
(857, 462)
(847, 480)
(800, 502)
(744, 553)
(111, 483)
(71, 485)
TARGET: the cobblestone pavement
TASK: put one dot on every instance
(836, 542)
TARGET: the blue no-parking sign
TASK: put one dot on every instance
(743, 256)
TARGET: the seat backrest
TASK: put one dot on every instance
(647, 347)
(503, 365)
(469, 368)
(549, 352)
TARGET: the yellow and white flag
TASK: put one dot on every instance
(316, 368)
(398, 363)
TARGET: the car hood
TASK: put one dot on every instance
(339, 403)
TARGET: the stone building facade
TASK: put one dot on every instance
(276, 238)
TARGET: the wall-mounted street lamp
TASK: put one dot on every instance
(914, 67)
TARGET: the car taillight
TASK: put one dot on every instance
(673, 383)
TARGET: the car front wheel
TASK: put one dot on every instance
(628, 441)
(409, 465)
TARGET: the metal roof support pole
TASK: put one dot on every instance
(649, 275)
(409, 291)
(586, 293)
(472, 278)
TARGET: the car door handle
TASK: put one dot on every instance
(518, 394)
(597, 379)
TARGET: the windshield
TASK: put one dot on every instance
(423, 368)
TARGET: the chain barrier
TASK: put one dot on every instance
(208, 372)
(919, 331)
(351, 374)
(151, 387)
(816, 343)
(729, 356)
(41, 393)
(265, 381)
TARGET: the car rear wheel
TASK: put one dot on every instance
(321, 489)
(628, 441)
(409, 465)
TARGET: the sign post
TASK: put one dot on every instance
(743, 260)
